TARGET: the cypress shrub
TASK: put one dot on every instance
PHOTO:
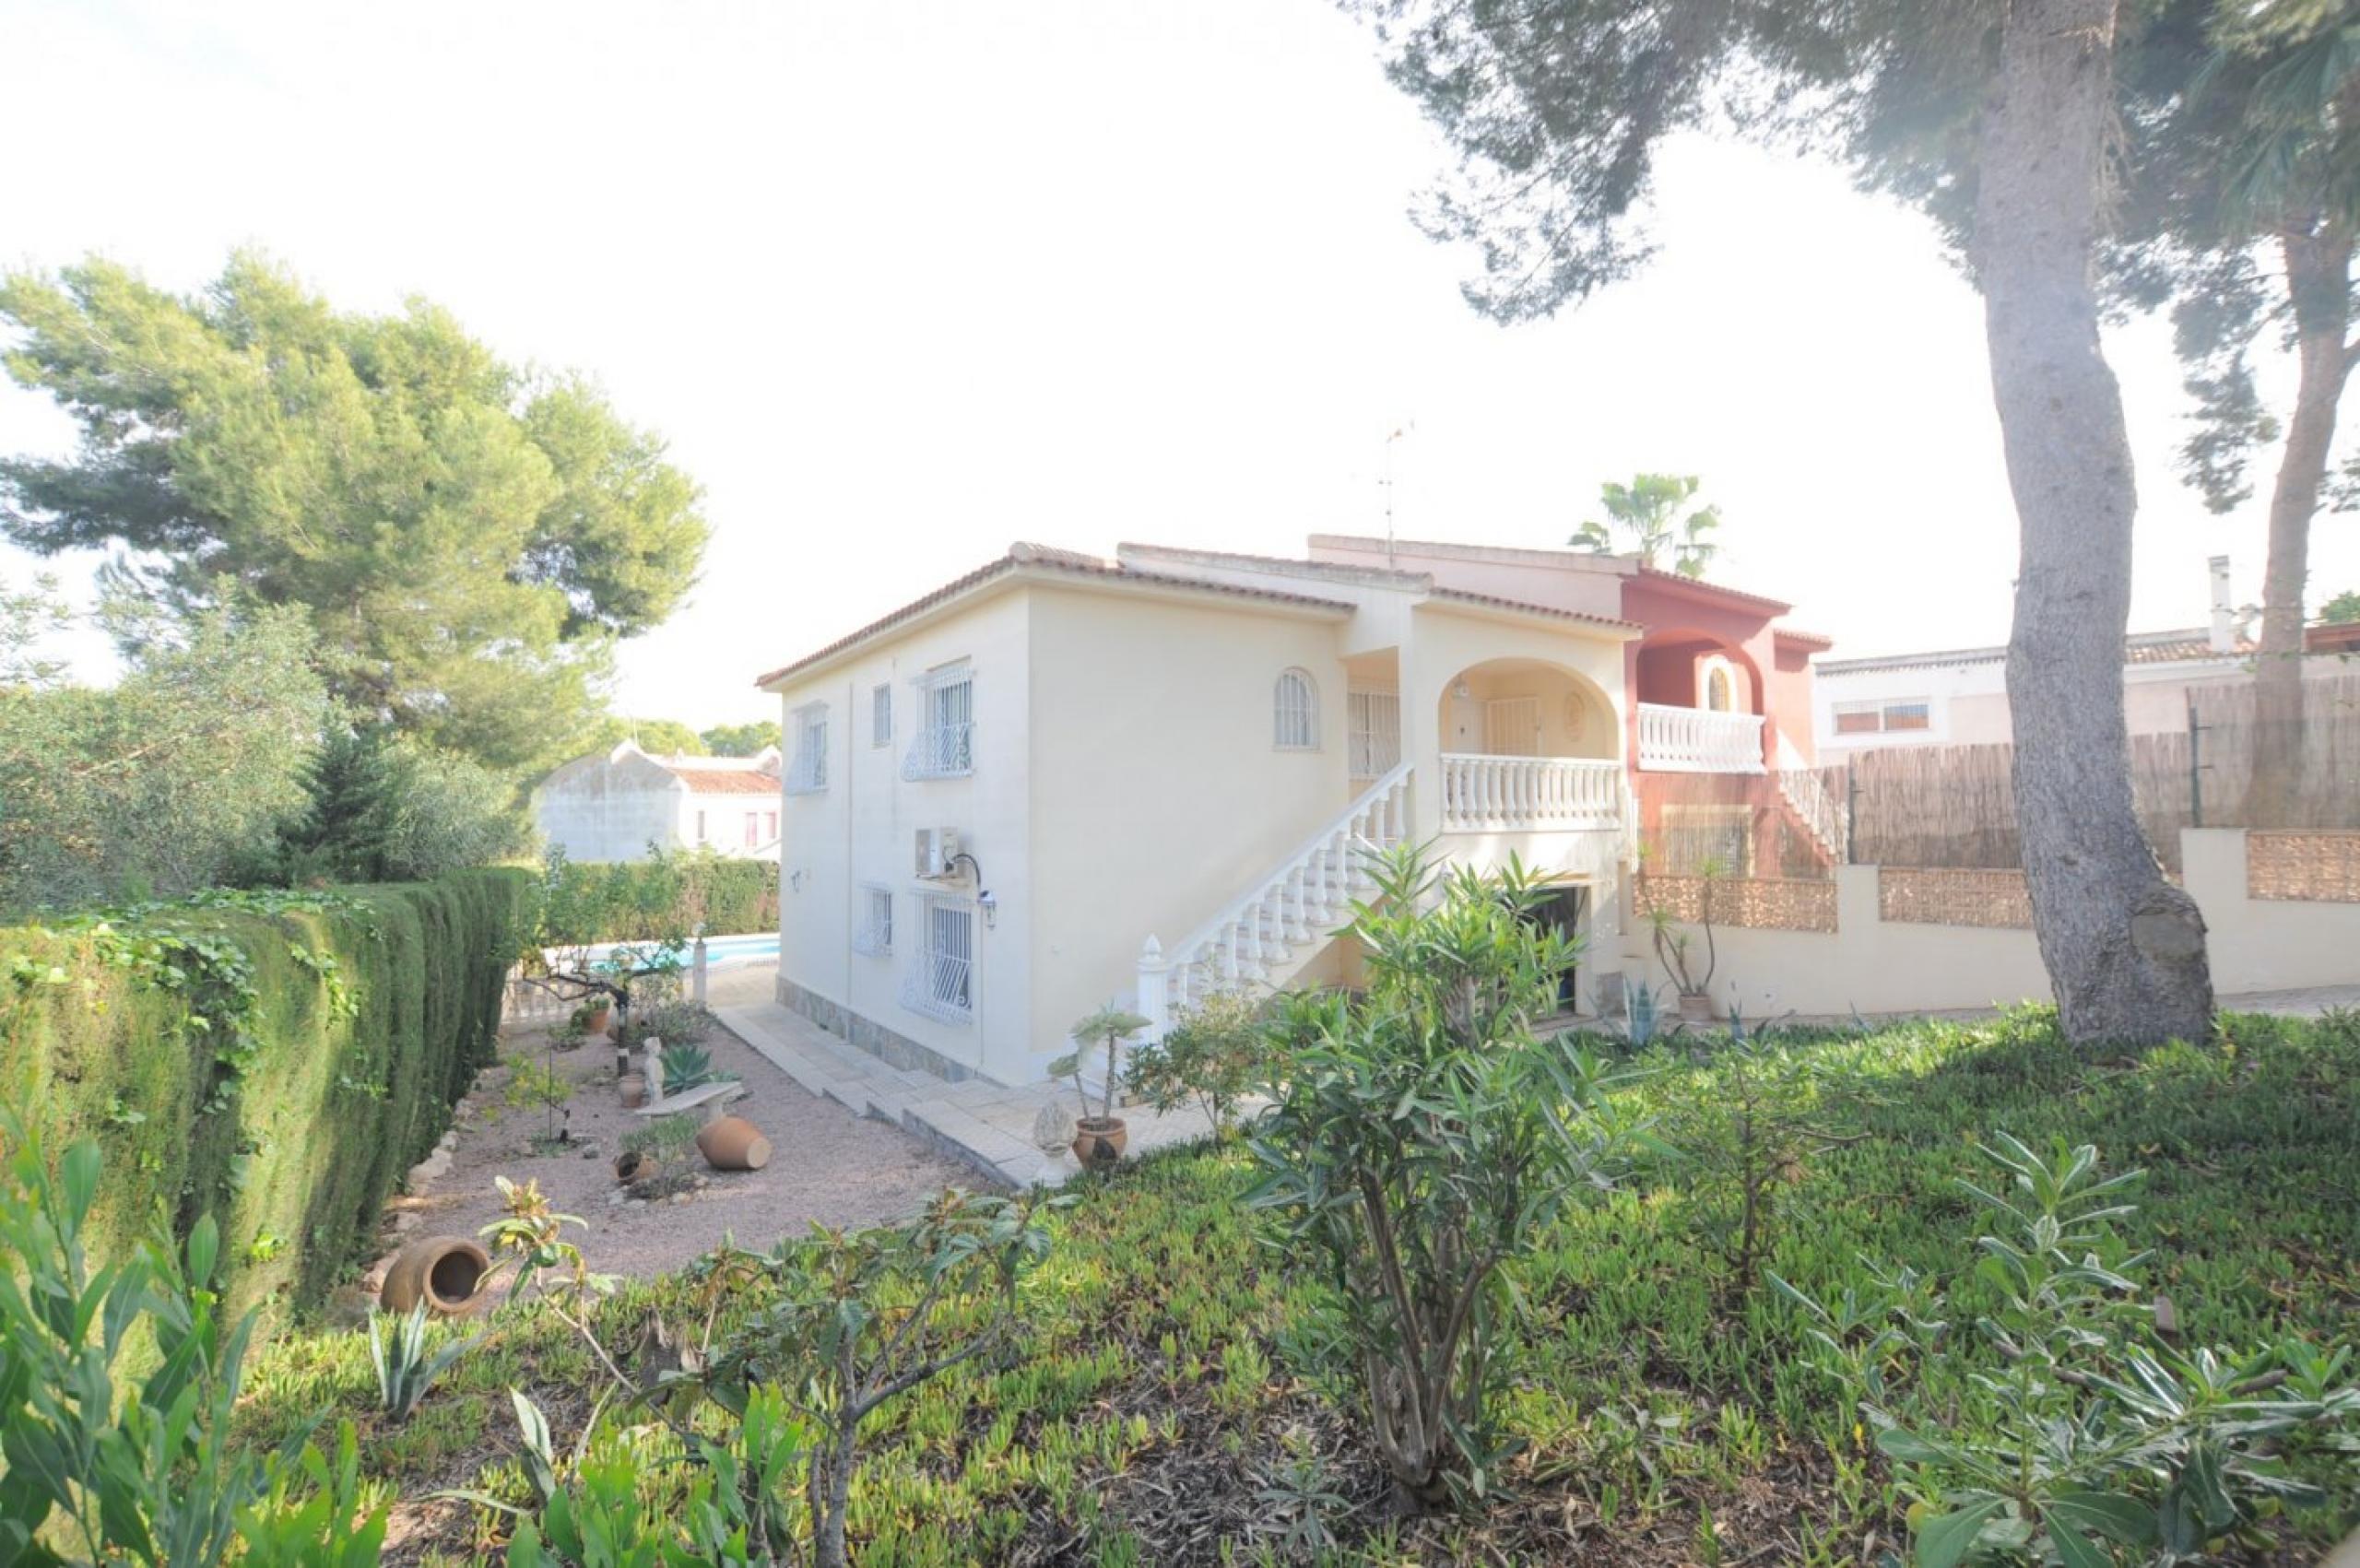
(663, 897)
(353, 1021)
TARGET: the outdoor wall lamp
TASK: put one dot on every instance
(984, 900)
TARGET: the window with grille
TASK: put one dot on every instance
(874, 935)
(880, 716)
(1875, 718)
(1295, 719)
(941, 980)
(1374, 732)
(808, 772)
(753, 829)
(944, 747)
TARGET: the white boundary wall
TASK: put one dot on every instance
(1875, 965)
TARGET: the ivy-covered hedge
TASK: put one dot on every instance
(666, 896)
(276, 1060)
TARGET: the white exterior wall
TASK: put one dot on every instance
(1160, 796)
(1968, 704)
(861, 831)
(594, 809)
(1127, 782)
(1887, 966)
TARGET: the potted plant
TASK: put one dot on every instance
(592, 1016)
(1099, 1139)
(1675, 950)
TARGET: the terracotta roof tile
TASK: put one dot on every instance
(720, 781)
(1029, 555)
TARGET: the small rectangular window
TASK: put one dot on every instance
(1907, 716)
(874, 935)
(770, 827)
(1871, 718)
(808, 772)
(753, 829)
(880, 715)
(701, 827)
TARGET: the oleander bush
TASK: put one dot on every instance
(1175, 1401)
(275, 1061)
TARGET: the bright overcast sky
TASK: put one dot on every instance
(902, 283)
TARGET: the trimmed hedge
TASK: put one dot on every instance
(588, 901)
(362, 1016)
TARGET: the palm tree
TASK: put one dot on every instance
(1647, 511)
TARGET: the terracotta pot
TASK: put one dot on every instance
(636, 1165)
(442, 1272)
(633, 1089)
(733, 1143)
(1099, 1141)
(1696, 1009)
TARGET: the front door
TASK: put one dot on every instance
(1565, 910)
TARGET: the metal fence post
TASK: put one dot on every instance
(1851, 815)
(2195, 765)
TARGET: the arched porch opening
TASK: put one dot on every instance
(1698, 707)
(1528, 744)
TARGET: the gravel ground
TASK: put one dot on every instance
(826, 1164)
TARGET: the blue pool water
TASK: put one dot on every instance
(720, 952)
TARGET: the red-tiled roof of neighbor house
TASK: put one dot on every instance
(2173, 647)
(1801, 638)
(720, 781)
(1415, 581)
(1022, 555)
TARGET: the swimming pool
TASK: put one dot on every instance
(720, 952)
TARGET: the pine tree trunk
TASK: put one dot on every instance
(2124, 949)
(2319, 282)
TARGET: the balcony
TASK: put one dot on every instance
(1698, 741)
(1483, 794)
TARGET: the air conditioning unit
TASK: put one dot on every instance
(938, 849)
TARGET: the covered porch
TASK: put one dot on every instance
(1526, 745)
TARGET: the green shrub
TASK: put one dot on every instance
(107, 1467)
(1425, 1138)
(2095, 1429)
(275, 1061)
(663, 898)
(1215, 1055)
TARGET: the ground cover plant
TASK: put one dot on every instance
(1173, 1402)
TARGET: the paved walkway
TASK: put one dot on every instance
(987, 1125)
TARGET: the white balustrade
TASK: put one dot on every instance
(1480, 792)
(1698, 741)
(1304, 898)
(1811, 801)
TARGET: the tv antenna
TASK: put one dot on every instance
(1398, 431)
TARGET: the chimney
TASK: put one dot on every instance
(2224, 614)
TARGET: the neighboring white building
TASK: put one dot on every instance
(1060, 780)
(612, 805)
(1960, 697)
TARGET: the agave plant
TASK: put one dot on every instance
(405, 1370)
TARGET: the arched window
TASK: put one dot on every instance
(1720, 693)
(1295, 713)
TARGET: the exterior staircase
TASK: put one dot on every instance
(1812, 804)
(1278, 925)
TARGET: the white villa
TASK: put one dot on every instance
(612, 805)
(1059, 779)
